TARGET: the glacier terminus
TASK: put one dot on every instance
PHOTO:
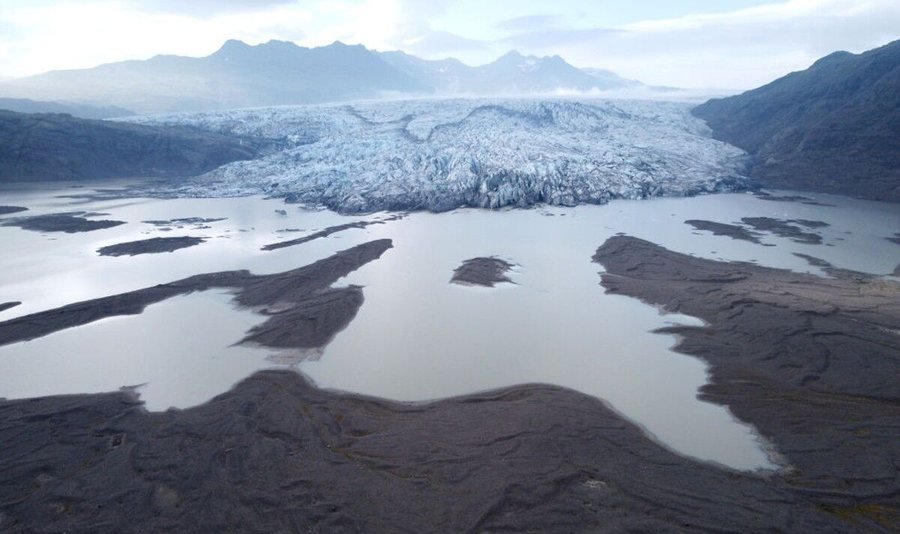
(438, 155)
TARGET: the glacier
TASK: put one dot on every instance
(438, 155)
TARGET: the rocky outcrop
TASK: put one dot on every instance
(47, 147)
(831, 128)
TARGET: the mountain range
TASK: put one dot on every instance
(281, 73)
(834, 127)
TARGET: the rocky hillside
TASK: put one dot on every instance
(42, 147)
(834, 127)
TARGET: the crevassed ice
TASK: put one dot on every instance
(443, 154)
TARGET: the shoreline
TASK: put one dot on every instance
(301, 296)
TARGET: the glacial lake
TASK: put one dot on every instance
(416, 337)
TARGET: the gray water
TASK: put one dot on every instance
(179, 352)
(416, 337)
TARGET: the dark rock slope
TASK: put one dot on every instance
(46, 147)
(832, 128)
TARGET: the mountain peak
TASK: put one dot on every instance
(272, 43)
(232, 45)
(833, 57)
(342, 45)
(511, 55)
(236, 47)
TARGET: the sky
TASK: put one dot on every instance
(708, 44)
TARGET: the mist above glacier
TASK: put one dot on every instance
(442, 154)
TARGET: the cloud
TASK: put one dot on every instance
(737, 50)
(205, 8)
(71, 35)
(414, 33)
(529, 23)
(550, 38)
(439, 43)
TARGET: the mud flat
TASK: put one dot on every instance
(812, 362)
(328, 231)
(196, 222)
(6, 210)
(69, 223)
(154, 245)
(317, 235)
(762, 195)
(733, 231)
(276, 454)
(483, 271)
(303, 310)
(833, 271)
(784, 228)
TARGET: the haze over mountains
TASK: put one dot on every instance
(282, 73)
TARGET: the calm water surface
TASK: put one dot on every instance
(416, 337)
